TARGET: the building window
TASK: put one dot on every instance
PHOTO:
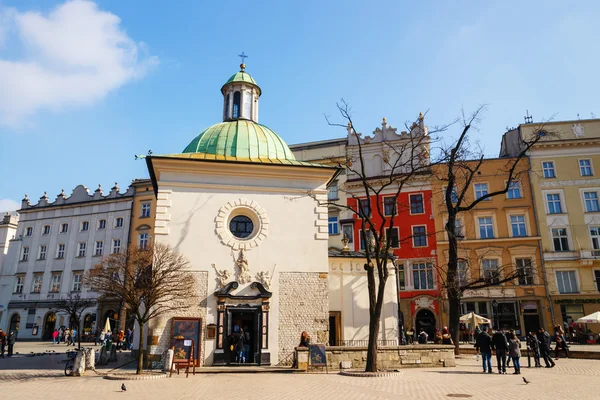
(25, 253)
(394, 237)
(401, 277)
(566, 282)
(416, 204)
(333, 225)
(422, 276)
(85, 225)
(597, 279)
(389, 206)
(363, 242)
(236, 104)
(553, 201)
(119, 222)
(240, 226)
(102, 224)
(462, 272)
(43, 251)
(348, 231)
(419, 236)
(76, 281)
(55, 282)
(595, 234)
(458, 229)
(64, 228)
(560, 239)
(491, 273)
(453, 195)
(585, 167)
(99, 247)
(332, 191)
(548, 169)
(36, 286)
(145, 210)
(81, 249)
(116, 246)
(481, 189)
(364, 209)
(486, 228)
(591, 201)
(28, 231)
(19, 284)
(46, 230)
(517, 224)
(60, 251)
(525, 271)
(514, 190)
(143, 240)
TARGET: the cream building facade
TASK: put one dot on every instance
(566, 187)
(8, 229)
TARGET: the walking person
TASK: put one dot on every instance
(483, 344)
(2, 343)
(500, 344)
(545, 346)
(10, 341)
(239, 348)
(55, 337)
(514, 351)
(533, 345)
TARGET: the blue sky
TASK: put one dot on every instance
(85, 86)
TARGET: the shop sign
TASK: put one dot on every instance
(577, 301)
(489, 292)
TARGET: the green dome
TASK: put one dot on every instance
(241, 140)
(242, 77)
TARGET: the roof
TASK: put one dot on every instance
(240, 140)
(333, 252)
(242, 77)
(318, 144)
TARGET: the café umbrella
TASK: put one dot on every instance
(593, 318)
(474, 319)
(107, 325)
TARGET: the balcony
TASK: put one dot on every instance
(561, 255)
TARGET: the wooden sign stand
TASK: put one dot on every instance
(317, 357)
(180, 345)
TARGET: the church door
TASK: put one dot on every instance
(425, 319)
(242, 343)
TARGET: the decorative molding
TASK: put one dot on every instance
(222, 277)
(244, 273)
(264, 278)
(573, 182)
(244, 207)
(225, 292)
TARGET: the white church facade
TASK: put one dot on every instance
(227, 203)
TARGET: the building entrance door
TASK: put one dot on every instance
(425, 319)
(49, 326)
(242, 344)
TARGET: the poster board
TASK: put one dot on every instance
(317, 356)
(183, 355)
(187, 328)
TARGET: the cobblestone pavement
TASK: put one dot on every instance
(570, 379)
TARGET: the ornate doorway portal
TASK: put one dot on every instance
(425, 319)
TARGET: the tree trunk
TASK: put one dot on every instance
(140, 365)
(372, 349)
(454, 319)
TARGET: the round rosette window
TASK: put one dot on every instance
(241, 224)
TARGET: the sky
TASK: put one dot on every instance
(85, 86)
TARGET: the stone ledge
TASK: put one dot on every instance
(146, 376)
(363, 374)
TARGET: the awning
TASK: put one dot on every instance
(590, 319)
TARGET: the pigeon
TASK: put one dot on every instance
(123, 388)
(526, 381)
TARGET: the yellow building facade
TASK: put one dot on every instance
(566, 189)
(499, 234)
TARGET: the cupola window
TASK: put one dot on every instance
(227, 106)
(236, 104)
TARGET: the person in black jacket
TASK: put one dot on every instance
(483, 344)
(545, 345)
(500, 344)
(10, 340)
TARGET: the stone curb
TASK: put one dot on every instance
(363, 374)
(134, 377)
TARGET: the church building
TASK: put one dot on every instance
(245, 213)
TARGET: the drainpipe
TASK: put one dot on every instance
(537, 227)
(400, 316)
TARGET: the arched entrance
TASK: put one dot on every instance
(15, 321)
(49, 326)
(425, 319)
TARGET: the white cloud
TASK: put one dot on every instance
(75, 55)
(8, 205)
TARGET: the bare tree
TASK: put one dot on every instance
(149, 282)
(74, 305)
(406, 160)
(460, 168)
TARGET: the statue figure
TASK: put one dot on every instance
(264, 278)
(222, 276)
(242, 263)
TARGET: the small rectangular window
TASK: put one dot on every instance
(595, 235)
(145, 210)
(363, 242)
(76, 281)
(591, 202)
(416, 204)
(332, 191)
(99, 248)
(585, 167)
(20, 281)
(560, 239)
(64, 228)
(60, 251)
(46, 230)
(55, 282)
(143, 240)
(548, 169)
(348, 231)
(81, 249)
(29, 231)
(419, 236)
(517, 223)
(43, 250)
(481, 189)
(364, 208)
(486, 228)
(514, 190)
(119, 222)
(116, 247)
(525, 271)
(566, 282)
(25, 253)
(102, 224)
(85, 225)
(458, 229)
(422, 276)
(333, 225)
(36, 286)
(491, 273)
(389, 206)
(554, 204)
(393, 237)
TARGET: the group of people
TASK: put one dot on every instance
(65, 335)
(441, 336)
(122, 339)
(7, 341)
(507, 347)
